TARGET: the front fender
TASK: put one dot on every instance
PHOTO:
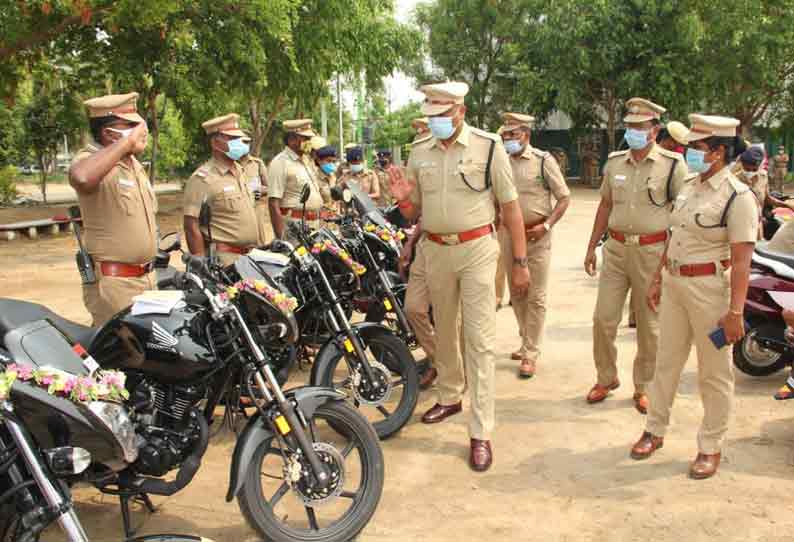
(257, 433)
(333, 348)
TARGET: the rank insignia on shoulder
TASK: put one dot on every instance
(201, 172)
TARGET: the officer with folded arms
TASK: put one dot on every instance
(118, 206)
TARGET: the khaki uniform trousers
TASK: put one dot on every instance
(263, 221)
(417, 304)
(626, 267)
(530, 309)
(690, 310)
(461, 279)
(110, 295)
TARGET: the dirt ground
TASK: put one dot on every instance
(562, 470)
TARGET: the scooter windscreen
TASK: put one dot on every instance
(41, 344)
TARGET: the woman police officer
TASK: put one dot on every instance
(702, 285)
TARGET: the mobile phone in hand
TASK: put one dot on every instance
(718, 336)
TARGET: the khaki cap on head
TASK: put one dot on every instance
(678, 132)
(704, 126)
(317, 143)
(302, 127)
(227, 125)
(418, 123)
(513, 121)
(641, 110)
(123, 106)
(441, 97)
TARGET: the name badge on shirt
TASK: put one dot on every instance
(620, 179)
(254, 183)
(126, 183)
(228, 189)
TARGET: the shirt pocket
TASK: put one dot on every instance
(620, 189)
(430, 179)
(657, 192)
(707, 222)
(470, 176)
(228, 201)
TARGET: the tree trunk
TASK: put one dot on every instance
(43, 177)
(154, 130)
(611, 121)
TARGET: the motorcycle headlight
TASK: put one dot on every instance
(114, 417)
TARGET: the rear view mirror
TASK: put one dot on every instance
(305, 193)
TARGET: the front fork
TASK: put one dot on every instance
(66, 516)
(397, 308)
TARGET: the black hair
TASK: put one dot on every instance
(663, 134)
(97, 124)
(734, 146)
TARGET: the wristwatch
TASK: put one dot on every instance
(547, 226)
(523, 262)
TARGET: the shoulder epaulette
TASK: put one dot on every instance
(484, 134)
(618, 153)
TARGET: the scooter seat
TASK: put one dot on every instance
(785, 259)
(15, 313)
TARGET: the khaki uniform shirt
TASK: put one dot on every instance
(447, 204)
(639, 190)
(327, 182)
(224, 187)
(255, 174)
(119, 216)
(781, 161)
(535, 189)
(287, 175)
(701, 204)
(759, 184)
(385, 187)
(366, 180)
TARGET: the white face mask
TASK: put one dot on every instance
(750, 175)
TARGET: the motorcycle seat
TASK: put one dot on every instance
(15, 313)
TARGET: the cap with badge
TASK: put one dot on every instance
(123, 106)
(302, 127)
(752, 156)
(642, 110)
(705, 126)
(354, 153)
(226, 125)
(441, 97)
(515, 121)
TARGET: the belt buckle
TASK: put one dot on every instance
(631, 240)
(450, 239)
(673, 266)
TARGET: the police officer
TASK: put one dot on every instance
(384, 162)
(359, 175)
(289, 172)
(748, 170)
(234, 228)
(454, 180)
(255, 173)
(673, 137)
(118, 205)
(325, 159)
(702, 280)
(781, 167)
(639, 187)
(538, 178)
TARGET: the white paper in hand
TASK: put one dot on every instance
(157, 302)
(784, 299)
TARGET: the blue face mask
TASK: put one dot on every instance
(513, 146)
(696, 160)
(441, 127)
(637, 139)
(237, 149)
(356, 168)
(329, 168)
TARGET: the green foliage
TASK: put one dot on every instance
(8, 188)
(174, 145)
(394, 129)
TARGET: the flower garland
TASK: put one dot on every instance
(284, 302)
(384, 233)
(104, 386)
(327, 245)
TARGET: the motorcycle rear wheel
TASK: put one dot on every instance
(754, 360)
(285, 517)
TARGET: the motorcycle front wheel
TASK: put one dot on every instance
(283, 507)
(391, 361)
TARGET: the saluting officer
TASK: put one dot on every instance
(537, 177)
(233, 229)
(289, 172)
(702, 280)
(454, 180)
(359, 175)
(118, 205)
(255, 173)
(639, 187)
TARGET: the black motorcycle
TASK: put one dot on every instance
(293, 460)
(365, 360)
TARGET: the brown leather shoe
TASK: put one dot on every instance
(527, 368)
(427, 378)
(641, 402)
(598, 392)
(644, 448)
(440, 413)
(481, 456)
(704, 466)
(517, 356)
